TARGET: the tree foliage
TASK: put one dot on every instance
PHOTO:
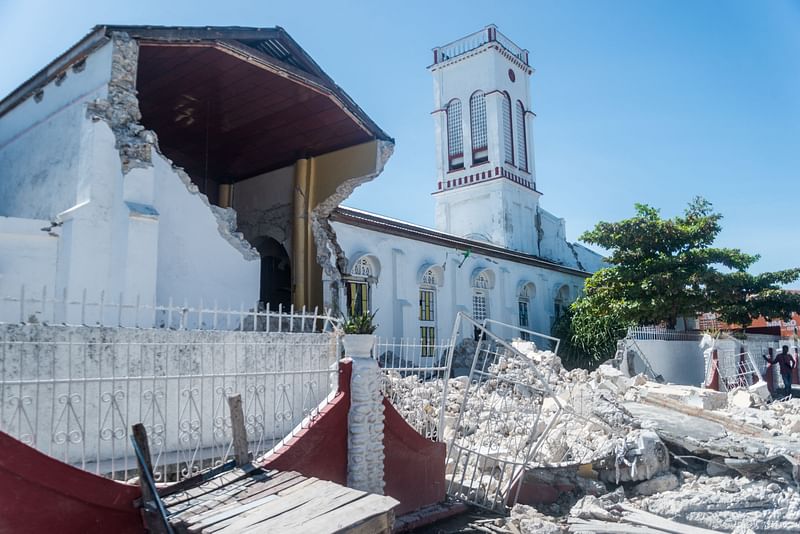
(663, 269)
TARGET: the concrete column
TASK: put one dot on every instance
(365, 454)
(300, 229)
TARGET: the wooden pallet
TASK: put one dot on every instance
(256, 500)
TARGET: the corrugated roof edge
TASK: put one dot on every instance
(100, 34)
(400, 228)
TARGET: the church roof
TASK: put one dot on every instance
(387, 225)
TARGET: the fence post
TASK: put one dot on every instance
(365, 454)
(770, 373)
(713, 381)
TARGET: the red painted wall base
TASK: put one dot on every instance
(41, 494)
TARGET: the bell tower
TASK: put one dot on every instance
(486, 182)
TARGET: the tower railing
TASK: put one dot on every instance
(476, 40)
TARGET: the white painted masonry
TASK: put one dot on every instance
(365, 420)
(75, 215)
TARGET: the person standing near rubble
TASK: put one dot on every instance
(786, 364)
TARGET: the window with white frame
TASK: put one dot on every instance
(358, 289)
(561, 301)
(477, 121)
(427, 313)
(522, 141)
(523, 305)
(479, 310)
(455, 135)
(508, 131)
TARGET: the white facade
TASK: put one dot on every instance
(520, 269)
(400, 267)
(74, 218)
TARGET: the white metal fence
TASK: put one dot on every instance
(74, 392)
(408, 366)
(41, 306)
(496, 422)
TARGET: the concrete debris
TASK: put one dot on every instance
(621, 454)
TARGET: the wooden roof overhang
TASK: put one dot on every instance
(227, 111)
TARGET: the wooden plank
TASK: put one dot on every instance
(215, 516)
(240, 450)
(215, 483)
(276, 508)
(349, 516)
(256, 492)
(222, 496)
(380, 524)
(307, 482)
(321, 504)
(151, 514)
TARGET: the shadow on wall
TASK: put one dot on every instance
(276, 272)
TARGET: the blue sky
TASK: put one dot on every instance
(637, 101)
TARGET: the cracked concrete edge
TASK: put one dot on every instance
(575, 253)
(330, 255)
(120, 110)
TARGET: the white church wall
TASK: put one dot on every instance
(395, 293)
(40, 142)
(27, 260)
(195, 259)
(263, 206)
(497, 211)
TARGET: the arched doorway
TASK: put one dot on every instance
(276, 273)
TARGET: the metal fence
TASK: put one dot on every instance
(84, 309)
(495, 421)
(74, 392)
(410, 368)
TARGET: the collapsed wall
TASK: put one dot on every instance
(637, 450)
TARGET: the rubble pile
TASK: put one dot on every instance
(639, 452)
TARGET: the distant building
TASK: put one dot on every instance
(495, 253)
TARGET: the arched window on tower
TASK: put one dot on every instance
(522, 139)
(508, 131)
(477, 123)
(455, 135)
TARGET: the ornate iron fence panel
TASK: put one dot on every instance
(74, 392)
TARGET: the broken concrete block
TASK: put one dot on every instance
(740, 398)
(707, 399)
(657, 484)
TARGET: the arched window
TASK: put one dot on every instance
(522, 140)
(481, 281)
(427, 313)
(358, 286)
(508, 131)
(362, 268)
(477, 123)
(561, 301)
(455, 135)
(526, 293)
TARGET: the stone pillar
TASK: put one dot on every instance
(365, 452)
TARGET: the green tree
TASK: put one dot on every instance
(663, 269)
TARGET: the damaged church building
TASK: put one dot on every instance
(166, 168)
(158, 166)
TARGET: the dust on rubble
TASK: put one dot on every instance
(636, 454)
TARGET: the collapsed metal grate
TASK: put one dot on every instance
(500, 423)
